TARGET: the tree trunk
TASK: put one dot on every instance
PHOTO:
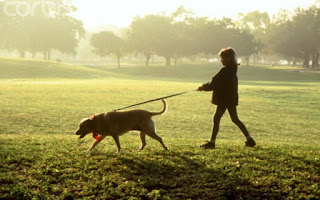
(22, 53)
(49, 54)
(294, 62)
(167, 61)
(247, 59)
(175, 61)
(45, 55)
(306, 60)
(34, 54)
(148, 56)
(118, 58)
(315, 59)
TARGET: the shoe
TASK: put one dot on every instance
(250, 143)
(208, 145)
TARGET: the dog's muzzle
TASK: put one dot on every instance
(81, 134)
(78, 133)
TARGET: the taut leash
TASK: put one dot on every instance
(157, 99)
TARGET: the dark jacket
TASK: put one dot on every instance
(224, 86)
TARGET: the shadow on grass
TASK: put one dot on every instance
(178, 175)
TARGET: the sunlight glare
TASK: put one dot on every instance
(121, 12)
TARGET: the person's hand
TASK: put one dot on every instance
(199, 88)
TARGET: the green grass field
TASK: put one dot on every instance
(42, 103)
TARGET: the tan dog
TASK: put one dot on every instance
(116, 124)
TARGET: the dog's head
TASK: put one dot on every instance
(85, 127)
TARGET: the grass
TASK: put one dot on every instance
(41, 158)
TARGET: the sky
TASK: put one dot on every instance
(121, 12)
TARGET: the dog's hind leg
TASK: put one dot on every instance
(116, 139)
(97, 142)
(143, 141)
(159, 139)
(152, 134)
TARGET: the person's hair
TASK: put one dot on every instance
(229, 53)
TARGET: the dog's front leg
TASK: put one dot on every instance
(116, 139)
(97, 142)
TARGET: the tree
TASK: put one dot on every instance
(42, 27)
(3, 21)
(298, 37)
(153, 34)
(281, 41)
(167, 36)
(254, 23)
(184, 42)
(141, 37)
(307, 34)
(245, 44)
(211, 36)
(67, 31)
(106, 43)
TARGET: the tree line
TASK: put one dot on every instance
(175, 36)
(292, 36)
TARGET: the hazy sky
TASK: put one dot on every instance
(121, 12)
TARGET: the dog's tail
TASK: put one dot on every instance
(162, 111)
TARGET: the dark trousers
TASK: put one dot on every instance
(234, 117)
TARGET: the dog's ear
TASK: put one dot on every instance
(85, 122)
(90, 122)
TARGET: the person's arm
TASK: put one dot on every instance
(212, 85)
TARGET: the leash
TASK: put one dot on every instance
(157, 99)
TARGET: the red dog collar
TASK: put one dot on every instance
(95, 135)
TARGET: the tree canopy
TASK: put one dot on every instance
(106, 43)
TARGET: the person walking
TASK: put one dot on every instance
(225, 95)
